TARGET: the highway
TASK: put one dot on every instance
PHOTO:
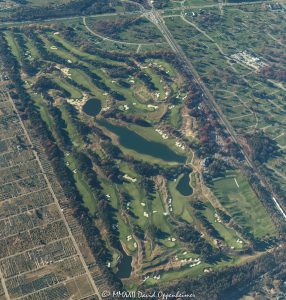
(155, 17)
(135, 12)
(104, 38)
(79, 17)
(279, 207)
(219, 4)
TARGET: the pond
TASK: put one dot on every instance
(124, 266)
(92, 107)
(131, 140)
(183, 185)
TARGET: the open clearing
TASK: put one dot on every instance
(137, 139)
(239, 200)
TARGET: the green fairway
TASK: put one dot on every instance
(142, 149)
(236, 195)
(230, 236)
(14, 45)
(180, 202)
(75, 93)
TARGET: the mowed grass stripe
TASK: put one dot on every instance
(243, 205)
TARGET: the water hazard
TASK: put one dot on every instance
(131, 140)
(92, 107)
(183, 185)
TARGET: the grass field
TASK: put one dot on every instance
(125, 29)
(252, 98)
(40, 3)
(13, 45)
(142, 98)
(229, 235)
(180, 203)
(236, 195)
(195, 271)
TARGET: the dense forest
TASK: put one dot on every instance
(215, 285)
(29, 112)
(220, 285)
(76, 7)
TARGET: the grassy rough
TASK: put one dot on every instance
(243, 205)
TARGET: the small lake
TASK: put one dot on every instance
(92, 107)
(183, 186)
(131, 140)
(124, 266)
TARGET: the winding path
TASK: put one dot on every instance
(104, 38)
(210, 101)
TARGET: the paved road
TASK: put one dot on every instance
(138, 12)
(28, 22)
(155, 17)
(279, 207)
(104, 38)
(210, 100)
(220, 5)
(56, 202)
